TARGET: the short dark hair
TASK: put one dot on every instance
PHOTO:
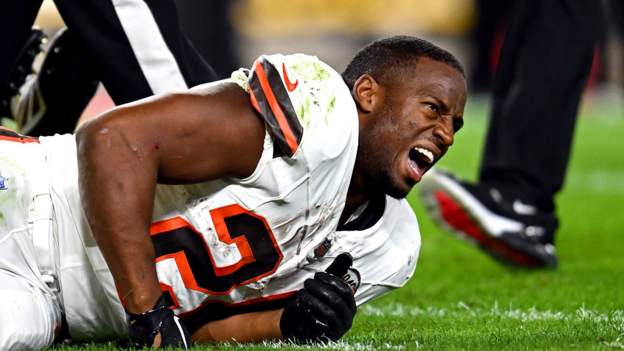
(387, 55)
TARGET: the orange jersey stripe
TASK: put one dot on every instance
(168, 225)
(275, 107)
(254, 101)
(10, 135)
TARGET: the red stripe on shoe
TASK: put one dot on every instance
(457, 217)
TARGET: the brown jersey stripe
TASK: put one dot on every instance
(283, 98)
(270, 98)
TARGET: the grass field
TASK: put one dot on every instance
(461, 299)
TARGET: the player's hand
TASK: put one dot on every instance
(323, 310)
(158, 327)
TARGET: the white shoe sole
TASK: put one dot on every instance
(436, 183)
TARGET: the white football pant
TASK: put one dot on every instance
(30, 314)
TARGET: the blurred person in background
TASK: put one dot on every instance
(136, 48)
(510, 211)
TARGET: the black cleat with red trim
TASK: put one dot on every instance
(512, 232)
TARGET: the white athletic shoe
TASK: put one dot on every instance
(54, 94)
(512, 232)
(20, 74)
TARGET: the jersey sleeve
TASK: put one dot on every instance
(297, 95)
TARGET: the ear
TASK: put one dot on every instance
(367, 93)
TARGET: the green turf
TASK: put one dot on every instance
(461, 299)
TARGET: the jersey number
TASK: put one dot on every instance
(260, 255)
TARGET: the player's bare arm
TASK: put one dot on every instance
(179, 138)
(247, 327)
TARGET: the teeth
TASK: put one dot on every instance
(425, 152)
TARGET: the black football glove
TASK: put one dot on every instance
(144, 327)
(324, 309)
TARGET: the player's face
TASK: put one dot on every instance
(412, 126)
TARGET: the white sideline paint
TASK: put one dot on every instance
(339, 345)
(614, 318)
(156, 60)
(530, 314)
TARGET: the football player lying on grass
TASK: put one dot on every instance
(213, 214)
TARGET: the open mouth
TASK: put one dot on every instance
(422, 157)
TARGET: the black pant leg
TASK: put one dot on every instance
(208, 26)
(546, 57)
(616, 9)
(16, 19)
(137, 46)
(490, 17)
(195, 69)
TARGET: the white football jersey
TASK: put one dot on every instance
(240, 245)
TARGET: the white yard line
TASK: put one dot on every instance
(615, 317)
(612, 319)
(340, 345)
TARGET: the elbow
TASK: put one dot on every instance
(83, 134)
(103, 129)
(114, 141)
(96, 139)
(89, 137)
